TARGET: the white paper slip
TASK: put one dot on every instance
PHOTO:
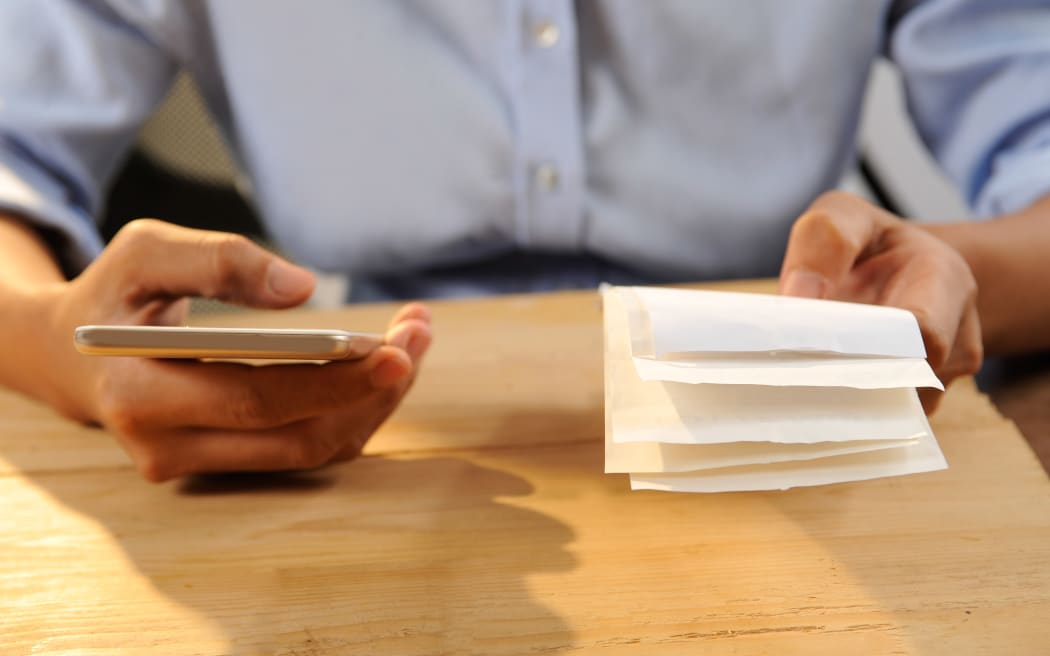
(677, 413)
(653, 457)
(681, 413)
(791, 369)
(749, 404)
(925, 456)
(690, 321)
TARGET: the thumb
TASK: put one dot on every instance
(825, 243)
(157, 259)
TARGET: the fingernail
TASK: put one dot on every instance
(286, 279)
(389, 372)
(417, 346)
(421, 311)
(806, 284)
(400, 338)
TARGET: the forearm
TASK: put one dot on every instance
(1010, 259)
(29, 279)
(25, 260)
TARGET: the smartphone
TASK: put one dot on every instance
(224, 343)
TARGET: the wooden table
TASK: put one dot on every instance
(481, 523)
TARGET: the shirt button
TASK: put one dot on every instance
(546, 34)
(547, 177)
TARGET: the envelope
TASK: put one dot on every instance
(684, 321)
(785, 368)
(922, 456)
(718, 391)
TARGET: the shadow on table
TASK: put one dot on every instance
(429, 554)
(939, 572)
(1020, 388)
(405, 555)
(897, 565)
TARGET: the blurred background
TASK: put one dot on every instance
(181, 171)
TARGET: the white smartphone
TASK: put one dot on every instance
(224, 343)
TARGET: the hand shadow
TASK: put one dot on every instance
(401, 555)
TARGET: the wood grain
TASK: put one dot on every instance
(481, 523)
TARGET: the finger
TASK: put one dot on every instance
(160, 260)
(967, 352)
(184, 452)
(391, 366)
(300, 445)
(966, 355)
(930, 399)
(413, 336)
(939, 291)
(411, 311)
(826, 241)
(166, 394)
(164, 313)
(952, 350)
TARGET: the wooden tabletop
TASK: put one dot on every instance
(480, 522)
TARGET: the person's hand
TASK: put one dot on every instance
(178, 417)
(844, 248)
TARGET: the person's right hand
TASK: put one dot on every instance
(847, 249)
(178, 417)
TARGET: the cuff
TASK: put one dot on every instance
(35, 196)
(1019, 177)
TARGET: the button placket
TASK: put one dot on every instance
(549, 130)
(546, 176)
(546, 34)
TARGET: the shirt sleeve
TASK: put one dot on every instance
(977, 80)
(77, 78)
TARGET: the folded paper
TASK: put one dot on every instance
(735, 322)
(705, 395)
(923, 456)
(791, 369)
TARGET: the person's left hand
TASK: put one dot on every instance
(844, 248)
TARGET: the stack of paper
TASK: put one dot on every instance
(718, 391)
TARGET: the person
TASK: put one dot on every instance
(452, 147)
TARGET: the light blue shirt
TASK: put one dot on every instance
(622, 139)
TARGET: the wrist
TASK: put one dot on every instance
(36, 362)
(25, 258)
(965, 238)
